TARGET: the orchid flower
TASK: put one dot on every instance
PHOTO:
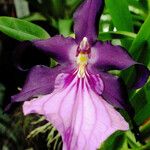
(79, 96)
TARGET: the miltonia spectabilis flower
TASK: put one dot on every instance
(78, 96)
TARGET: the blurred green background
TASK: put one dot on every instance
(123, 22)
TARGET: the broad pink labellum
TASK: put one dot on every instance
(83, 118)
(76, 95)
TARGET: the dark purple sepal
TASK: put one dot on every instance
(57, 47)
(85, 20)
(142, 75)
(110, 57)
(40, 80)
(114, 91)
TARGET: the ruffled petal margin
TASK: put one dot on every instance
(82, 117)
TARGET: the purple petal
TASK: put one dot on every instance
(40, 81)
(85, 20)
(83, 118)
(114, 91)
(61, 49)
(108, 57)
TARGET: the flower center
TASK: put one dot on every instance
(83, 53)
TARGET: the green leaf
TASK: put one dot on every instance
(145, 147)
(64, 26)
(148, 5)
(141, 104)
(21, 30)
(143, 114)
(72, 2)
(137, 8)
(22, 8)
(116, 141)
(53, 63)
(115, 35)
(120, 14)
(145, 130)
(2, 93)
(58, 7)
(34, 17)
(121, 18)
(121, 140)
(140, 48)
(132, 142)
